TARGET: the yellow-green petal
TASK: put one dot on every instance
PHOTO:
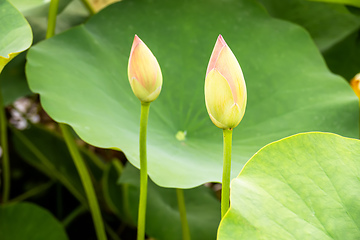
(229, 67)
(223, 111)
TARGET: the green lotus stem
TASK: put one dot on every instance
(89, 7)
(225, 192)
(143, 170)
(86, 181)
(54, 4)
(74, 151)
(59, 201)
(73, 215)
(125, 191)
(113, 235)
(32, 192)
(5, 151)
(182, 211)
(126, 202)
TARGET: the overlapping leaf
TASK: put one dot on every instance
(327, 23)
(37, 7)
(81, 76)
(302, 187)
(15, 33)
(355, 3)
(334, 28)
(12, 80)
(343, 58)
(29, 221)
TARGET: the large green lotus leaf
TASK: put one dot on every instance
(327, 23)
(302, 187)
(15, 33)
(48, 153)
(28, 221)
(37, 7)
(202, 207)
(81, 76)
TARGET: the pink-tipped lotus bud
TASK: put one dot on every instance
(225, 89)
(144, 72)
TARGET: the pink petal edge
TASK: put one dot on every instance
(219, 45)
(136, 42)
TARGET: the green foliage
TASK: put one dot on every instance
(301, 187)
(328, 24)
(334, 28)
(82, 81)
(12, 79)
(13, 83)
(355, 3)
(39, 8)
(202, 208)
(48, 153)
(343, 58)
(28, 221)
(15, 33)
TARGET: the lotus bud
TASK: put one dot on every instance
(144, 72)
(225, 89)
(355, 84)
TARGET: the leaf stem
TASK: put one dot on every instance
(74, 151)
(86, 181)
(125, 191)
(46, 166)
(182, 211)
(73, 215)
(53, 8)
(225, 192)
(32, 192)
(143, 170)
(89, 7)
(5, 151)
(59, 200)
(112, 233)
